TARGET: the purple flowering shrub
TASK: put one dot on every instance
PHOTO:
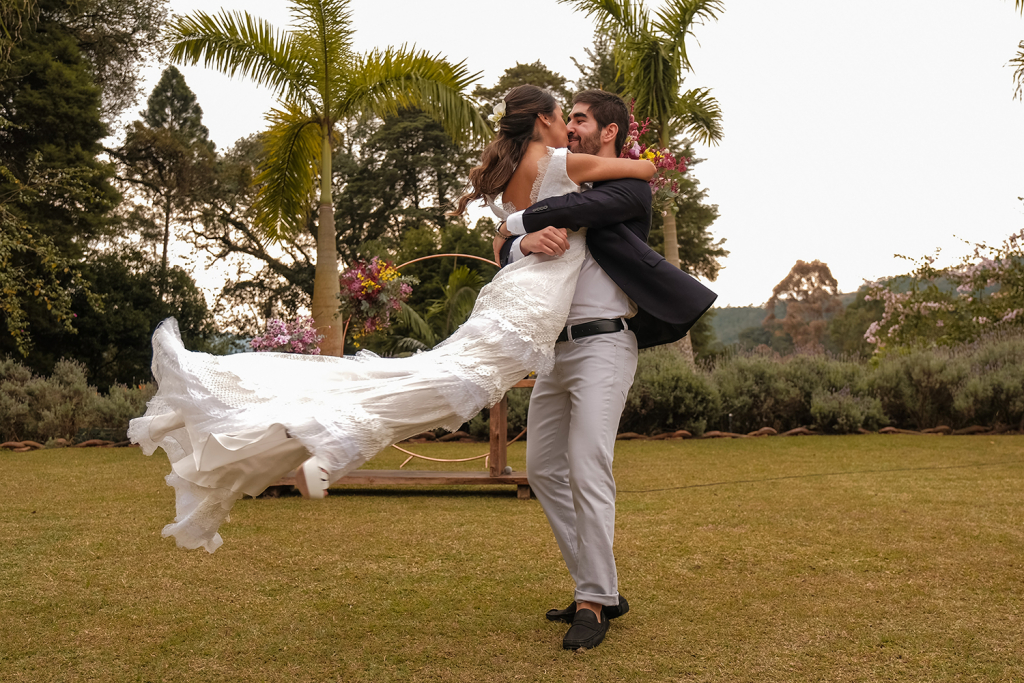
(297, 336)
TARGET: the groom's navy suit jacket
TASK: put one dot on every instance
(617, 215)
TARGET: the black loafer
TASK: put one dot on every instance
(586, 631)
(566, 615)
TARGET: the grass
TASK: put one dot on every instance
(867, 558)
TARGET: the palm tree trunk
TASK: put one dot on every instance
(683, 346)
(325, 281)
(671, 237)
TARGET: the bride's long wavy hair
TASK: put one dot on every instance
(500, 158)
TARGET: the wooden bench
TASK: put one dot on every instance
(497, 460)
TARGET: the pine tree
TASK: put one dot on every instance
(168, 158)
(173, 106)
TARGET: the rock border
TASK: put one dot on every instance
(678, 435)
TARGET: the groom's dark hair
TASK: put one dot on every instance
(606, 108)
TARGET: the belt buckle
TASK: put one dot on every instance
(568, 333)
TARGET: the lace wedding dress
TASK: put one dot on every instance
(233, 425)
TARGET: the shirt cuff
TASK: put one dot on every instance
(516, 252)
(514, 223)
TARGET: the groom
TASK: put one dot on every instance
(627, 297)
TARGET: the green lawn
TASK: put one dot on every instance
(867, 558)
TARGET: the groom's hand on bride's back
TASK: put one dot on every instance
(551, 241)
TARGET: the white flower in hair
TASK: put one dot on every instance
(497, 116)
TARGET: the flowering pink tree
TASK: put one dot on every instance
(931, 305)
(297, 336)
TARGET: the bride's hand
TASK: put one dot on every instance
(496, 246)
(551, 241)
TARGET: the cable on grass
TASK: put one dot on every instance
(826, 474)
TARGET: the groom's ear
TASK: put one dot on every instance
(609, 132)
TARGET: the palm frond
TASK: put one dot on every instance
(1018, 73)
(700, 116)
(458, 299)
(404, 346)
(385, 81)
(676, 21)
(616, 17)
(324, 38)
(237, 42)
(292, 146)
(419, 330)
(649, 67)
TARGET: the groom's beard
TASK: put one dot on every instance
(588, 145)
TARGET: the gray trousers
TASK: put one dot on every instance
(572, 423)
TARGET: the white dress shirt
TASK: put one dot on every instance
(596, 297)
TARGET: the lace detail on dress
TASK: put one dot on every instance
(233, 425)
(542, 170)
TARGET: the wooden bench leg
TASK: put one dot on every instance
(523, 492)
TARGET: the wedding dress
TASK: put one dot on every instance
(233, 425)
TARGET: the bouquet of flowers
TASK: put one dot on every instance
(670, 169)
(370, 292)
(297, 336)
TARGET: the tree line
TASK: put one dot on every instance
(90, 210)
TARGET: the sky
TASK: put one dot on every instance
(853, 131)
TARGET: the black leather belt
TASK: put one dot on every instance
(591, 328)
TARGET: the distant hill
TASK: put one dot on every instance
(729, 321)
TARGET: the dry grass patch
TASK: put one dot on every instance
(818, 559)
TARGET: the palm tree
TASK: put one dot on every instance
(319, 81)
(650, 53)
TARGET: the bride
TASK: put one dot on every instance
(233, 425)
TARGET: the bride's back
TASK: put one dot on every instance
(520, 187)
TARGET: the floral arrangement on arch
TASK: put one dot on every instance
(371, 291)
(665, 183)
(297, 336)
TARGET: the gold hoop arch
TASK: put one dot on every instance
(424, 258)
(424, 457)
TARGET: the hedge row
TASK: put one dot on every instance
(978, 384)
(63, 405)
